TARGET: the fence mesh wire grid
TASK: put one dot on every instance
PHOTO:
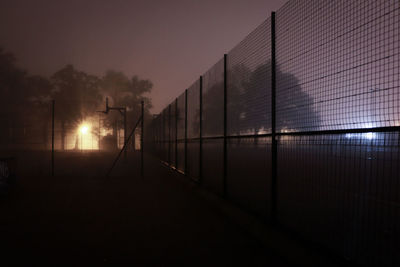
(337, 112)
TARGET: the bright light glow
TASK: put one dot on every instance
(84, 129)
(84, 139)
(368, 125)
(351, 135)
(369, 135)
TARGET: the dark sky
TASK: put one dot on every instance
(170, 42)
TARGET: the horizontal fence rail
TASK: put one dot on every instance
(300, 124)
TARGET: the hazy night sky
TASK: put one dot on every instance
(169, 42)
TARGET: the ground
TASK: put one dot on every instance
(79, 217)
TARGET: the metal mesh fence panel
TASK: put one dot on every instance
(342, 191)
(212, 176)
(337, 121)
(165, 146)
(181, 132)
(73, 136)
(155, 134)
(213, 101)
(29, 130)
(157, 131)
(181, 156)
(172, 136)
(193, 110)
(162, 137)
(25, 140)
(249, 84)
(338, 65)
(249, 173)
(193, 159)
(181, 117)
(79, 127)
(193, 131)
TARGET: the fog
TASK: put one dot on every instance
(170, 43)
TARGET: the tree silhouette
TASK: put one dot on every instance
(23, 102)
(76, 94)
(249, 103)
(125, 92)
(294, 107)
(26, 100)
(12, 82)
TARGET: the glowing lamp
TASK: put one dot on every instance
(84, 129)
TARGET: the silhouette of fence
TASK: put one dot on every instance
(299, 123)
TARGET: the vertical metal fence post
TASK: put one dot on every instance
(274, 150)
(201, 131)
(52, 137)
(186, 91)
(225, 126)
(142, 142)
(169, 134)
(99, 133)
(163, 135)
(176, 133)
(126, 136)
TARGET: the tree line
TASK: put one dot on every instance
(25, 99)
